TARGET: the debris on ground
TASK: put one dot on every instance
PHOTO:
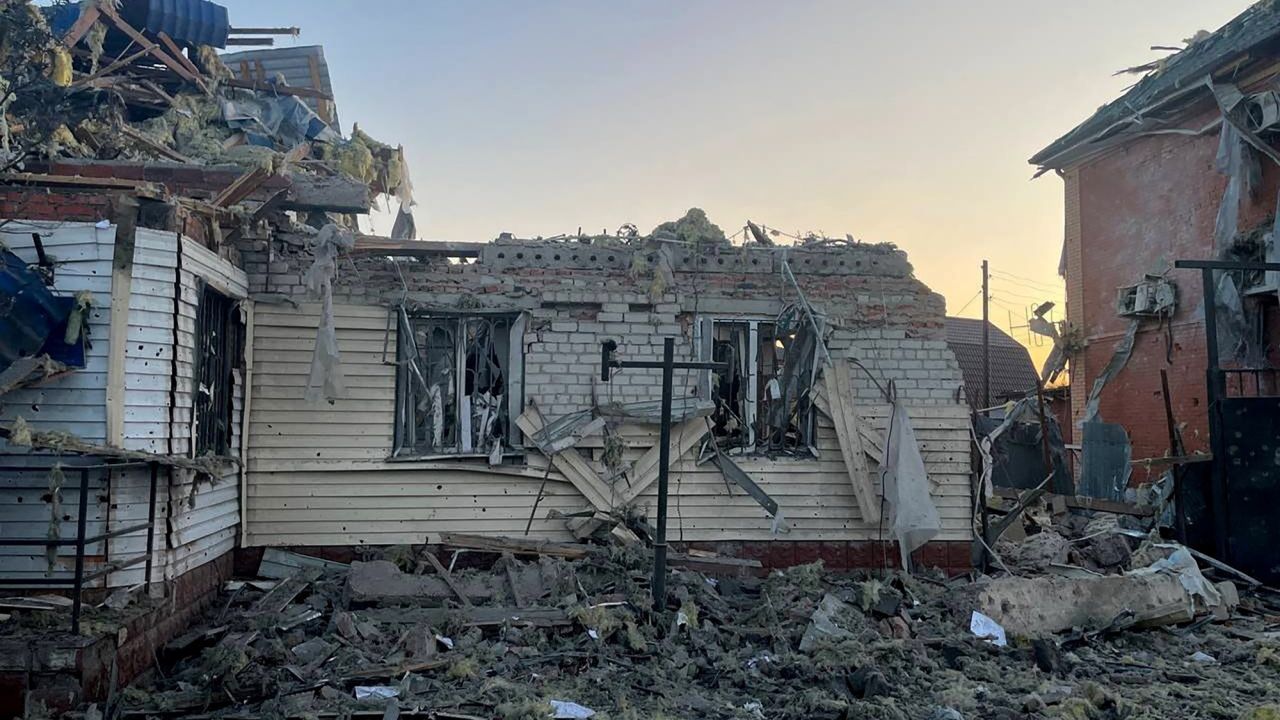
(498, 628)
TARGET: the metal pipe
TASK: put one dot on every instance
(80, 529)
(986, 340)
(664, 462)
(151, 518)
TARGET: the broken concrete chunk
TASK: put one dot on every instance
(313, 651)
(381, 581)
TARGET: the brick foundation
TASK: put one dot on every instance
(62, 671)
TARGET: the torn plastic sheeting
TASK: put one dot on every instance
(1119, 358)
(1232, 328)
(984, 628)
(325, 379)
(569, 710)
(913, 517)
(1181, 563)
(283, 118)
(1228, 162)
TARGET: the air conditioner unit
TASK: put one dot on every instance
(1152, 297)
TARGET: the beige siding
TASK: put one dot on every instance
(317, 473)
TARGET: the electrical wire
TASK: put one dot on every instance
(1020, 277)
(1032, 285)
(1007, 291)
(969, 302)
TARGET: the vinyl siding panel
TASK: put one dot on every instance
(317, 473)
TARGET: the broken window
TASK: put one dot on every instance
(458, 384)
(762, 401)
(219, 342)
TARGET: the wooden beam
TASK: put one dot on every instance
(444, 573)
(110, 12)
(88, 79)
(146, 189)
(872, 442)
(177, 53)
(570, 463)
(125, 217)
(153, 145)
(242, 187)
(645, 470)
(89, 14)
(844, 416)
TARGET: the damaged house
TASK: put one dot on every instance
(1183, 167)
(201, 354)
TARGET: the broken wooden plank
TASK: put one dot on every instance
(872, 441)
(569, 462)
(281, 564)
(108, 10)
(1082, 502)
(444, 573)
(515, 546)
(26, 371)
(645, 470)
(242, 187)
(153, 145)
(177, 53)
(279, 597)
(740, 478)
(89, 14)
(845, 418)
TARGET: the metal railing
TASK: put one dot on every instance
(77, 581)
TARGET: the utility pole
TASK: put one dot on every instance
(668, 365)
(986, 341)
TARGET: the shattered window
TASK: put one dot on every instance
(455, 383)
(219, 347)
(762, 399)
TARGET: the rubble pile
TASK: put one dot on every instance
(570, 633)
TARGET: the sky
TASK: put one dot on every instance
(907, 122)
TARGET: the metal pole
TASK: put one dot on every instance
(80, 523)
(664, 462)
(1044, 435)
(1175, 450)
(1213, 381)
(986, 341)
(151, 519)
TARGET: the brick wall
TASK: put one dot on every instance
(578, 294)
(1139, 209)
(41, 204)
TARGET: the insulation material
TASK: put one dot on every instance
(913, 518)
(325, 380)
(1119, 358)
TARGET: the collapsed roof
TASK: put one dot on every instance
(93, 83)
(1173, 82)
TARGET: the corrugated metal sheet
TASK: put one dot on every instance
(305, 459)
(188, 22)
(302, 66)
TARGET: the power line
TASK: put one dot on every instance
(1006, 291)
(1019, 280)
(970, 302)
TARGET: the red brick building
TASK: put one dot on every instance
(1144, 187)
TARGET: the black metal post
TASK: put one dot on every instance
(80, 533)
(664, 467)
(1213, 384)
(668, 366)
(151, 518)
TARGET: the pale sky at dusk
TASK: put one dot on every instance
(905, 122)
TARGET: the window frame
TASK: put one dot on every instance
(214, 306)
(705, 328)
(513, 380)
